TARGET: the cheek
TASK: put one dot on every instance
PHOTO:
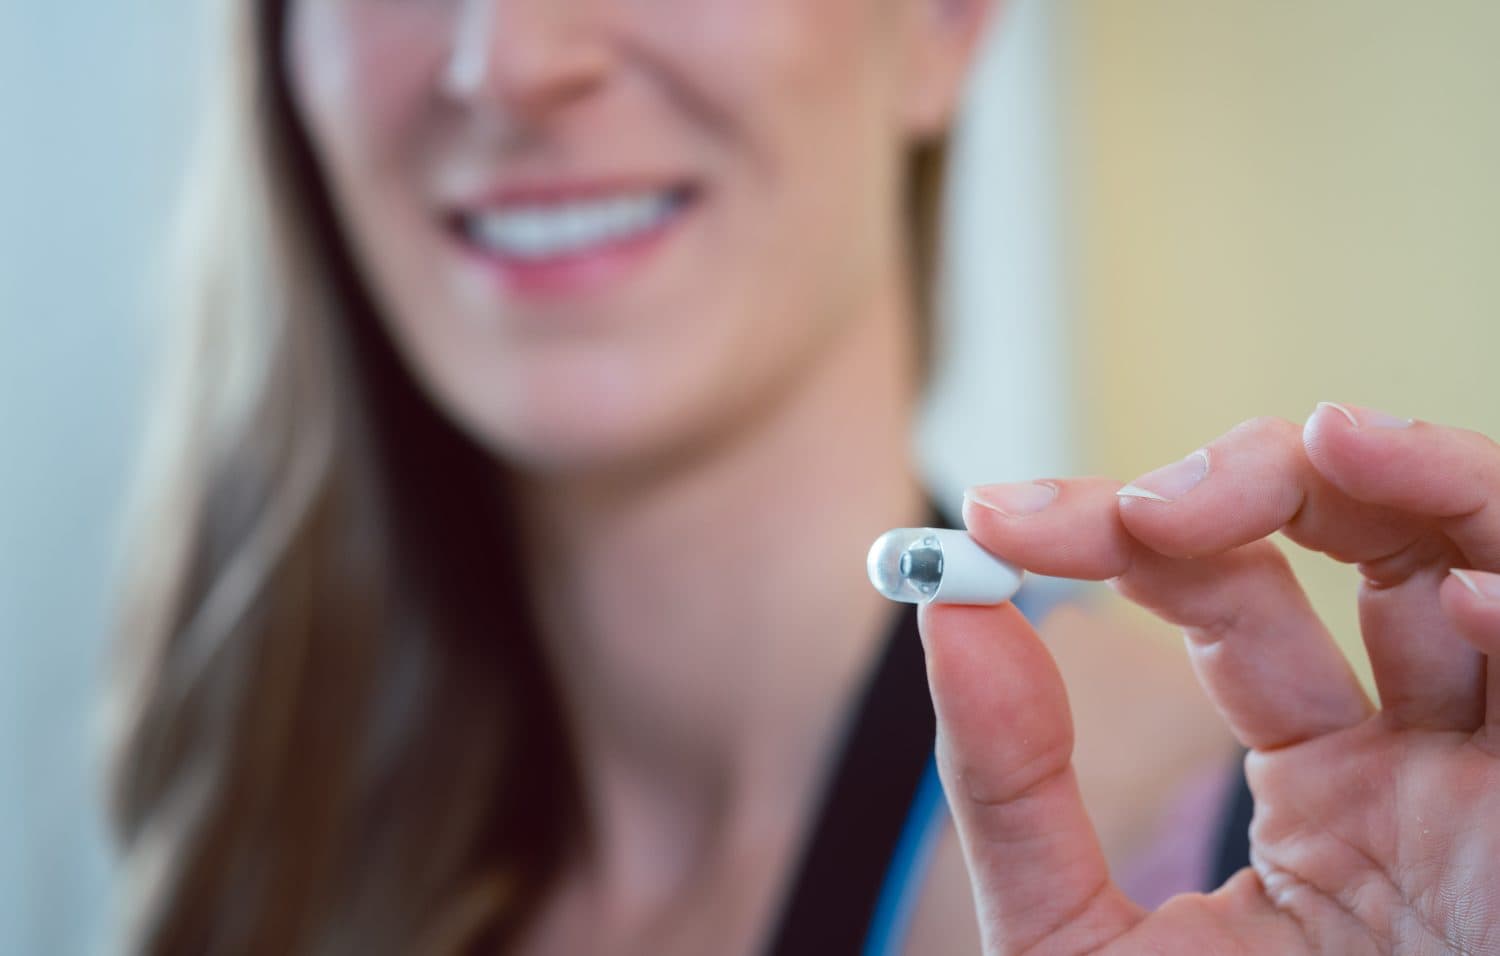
(361, 75)
(813, 209)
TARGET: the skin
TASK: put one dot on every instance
(414, 107)
(650, 422)
(1375, 829)
(648, 425)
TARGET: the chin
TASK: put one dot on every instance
(575, 435)
(576, 411)
(565, 452)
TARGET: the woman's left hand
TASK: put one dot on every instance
(1377, 830)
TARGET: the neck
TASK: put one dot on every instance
(708, 626)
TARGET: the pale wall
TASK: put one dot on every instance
(1275, 203)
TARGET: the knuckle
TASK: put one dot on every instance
(987, 783)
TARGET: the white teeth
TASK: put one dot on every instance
(544, 232)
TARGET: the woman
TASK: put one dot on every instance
(550, 369)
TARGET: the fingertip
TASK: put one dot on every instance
(1479, 584)
(1329, 423)
(965, 636)
(1239, 487)
(1471, 599)
(1336, 430)
(1427, 470)
(986, 523)
(1012, 499)
(1343, 411)
(994, 685)
(1343, 415)
(1060, 528)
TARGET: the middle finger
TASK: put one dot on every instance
(1257, 479)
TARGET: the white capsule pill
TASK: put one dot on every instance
(941, 566)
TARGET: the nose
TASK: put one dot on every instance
(526, 56)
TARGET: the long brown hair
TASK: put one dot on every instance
(334, 730)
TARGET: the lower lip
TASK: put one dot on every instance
(579, 273)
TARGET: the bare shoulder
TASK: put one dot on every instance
(1144, 727)
(945, 920)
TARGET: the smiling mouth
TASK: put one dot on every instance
(538, 233)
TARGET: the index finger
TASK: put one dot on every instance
(1405, 501)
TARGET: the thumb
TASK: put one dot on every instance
(1005, 748)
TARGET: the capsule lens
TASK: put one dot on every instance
(906, 565)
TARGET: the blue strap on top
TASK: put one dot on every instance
(908, 870)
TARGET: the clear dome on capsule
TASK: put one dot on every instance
(906, 565)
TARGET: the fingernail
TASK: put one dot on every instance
(1335, 406)
(1171, 482)
(1374, 419)
(1366, 417)
(1482, 584)
(1014, 500)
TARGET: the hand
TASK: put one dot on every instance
(1376, 830)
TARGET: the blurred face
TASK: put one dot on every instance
(601, 229)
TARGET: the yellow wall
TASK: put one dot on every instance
(1276, 202)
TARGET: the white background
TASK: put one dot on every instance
(96, 99)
